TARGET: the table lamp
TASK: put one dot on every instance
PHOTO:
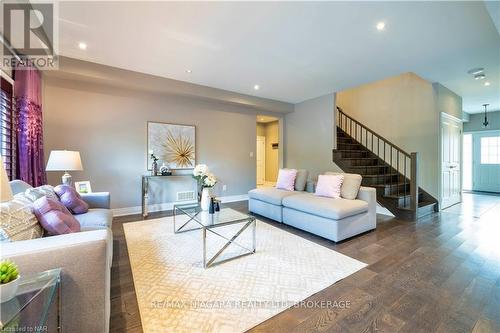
(64, 160)
(5, 191)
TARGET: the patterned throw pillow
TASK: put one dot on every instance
(17, 222)
(42, 191)
(54, 217)
(71, 199)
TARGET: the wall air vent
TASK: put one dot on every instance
(186, 195)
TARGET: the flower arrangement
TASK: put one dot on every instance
(154, 165)
(203, 176)
(153, 156)
(209, 180)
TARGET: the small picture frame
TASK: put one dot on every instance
(83, 187)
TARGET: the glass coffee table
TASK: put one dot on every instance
(190, 217)
(36, 306)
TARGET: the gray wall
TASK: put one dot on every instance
(447, 101)
(308, 137)
(108, 126)
(475, 122)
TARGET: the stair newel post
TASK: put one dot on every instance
(414, 182)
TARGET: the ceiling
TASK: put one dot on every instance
(293, 50)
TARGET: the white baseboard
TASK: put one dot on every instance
(169, 205)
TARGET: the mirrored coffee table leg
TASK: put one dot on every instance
(244, 225)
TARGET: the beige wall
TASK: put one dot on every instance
(270, 131)
(272, 163)
(261, 129)
(405, 109)
(308, 139)
(108, 126)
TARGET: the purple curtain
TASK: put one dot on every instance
(29, 124)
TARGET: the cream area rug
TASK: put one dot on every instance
(176, 294)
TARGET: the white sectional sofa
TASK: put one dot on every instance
(334, 219)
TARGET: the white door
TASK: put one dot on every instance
(451, 158)
(261, 160)
(486, 165)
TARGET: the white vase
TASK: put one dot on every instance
(205, 198)
(9, 290)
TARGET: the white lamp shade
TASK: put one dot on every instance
(64, 160)
(5, 190)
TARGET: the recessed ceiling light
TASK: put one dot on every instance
(381, 26)
(479, 76)
(261, 119)
(487, 83)
(82, 46)
(256, 87)
(475, 71)
(188, 71)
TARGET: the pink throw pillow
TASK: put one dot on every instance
(71, 199)
(54, 217)
(286, 179)
(329, 186)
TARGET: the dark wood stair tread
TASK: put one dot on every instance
(381, 175)
(360, 158)
(395, 196)
(393, 188)
(368, 166)
(390, 184)
(421, 204)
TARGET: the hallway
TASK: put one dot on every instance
(476, 205)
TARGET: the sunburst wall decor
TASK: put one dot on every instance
(174, 145)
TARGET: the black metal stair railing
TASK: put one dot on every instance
(403, 163)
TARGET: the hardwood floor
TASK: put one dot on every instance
(439, 274)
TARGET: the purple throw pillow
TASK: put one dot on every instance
(71, 199)
(54, 217)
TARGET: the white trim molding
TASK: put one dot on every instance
(7, 77)
(169, 205)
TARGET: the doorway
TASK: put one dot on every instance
(268, 150)
(483, 159)
(451, 160)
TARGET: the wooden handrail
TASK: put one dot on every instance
(373, 132)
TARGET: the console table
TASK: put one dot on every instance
(145, 189)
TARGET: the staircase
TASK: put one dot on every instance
(384, 166)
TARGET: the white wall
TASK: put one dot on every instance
(309, 135)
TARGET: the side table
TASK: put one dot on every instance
(36, 306)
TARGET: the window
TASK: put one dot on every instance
(490, 150)
(7, 132)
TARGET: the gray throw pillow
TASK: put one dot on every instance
(350, 185)
(301, 179)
